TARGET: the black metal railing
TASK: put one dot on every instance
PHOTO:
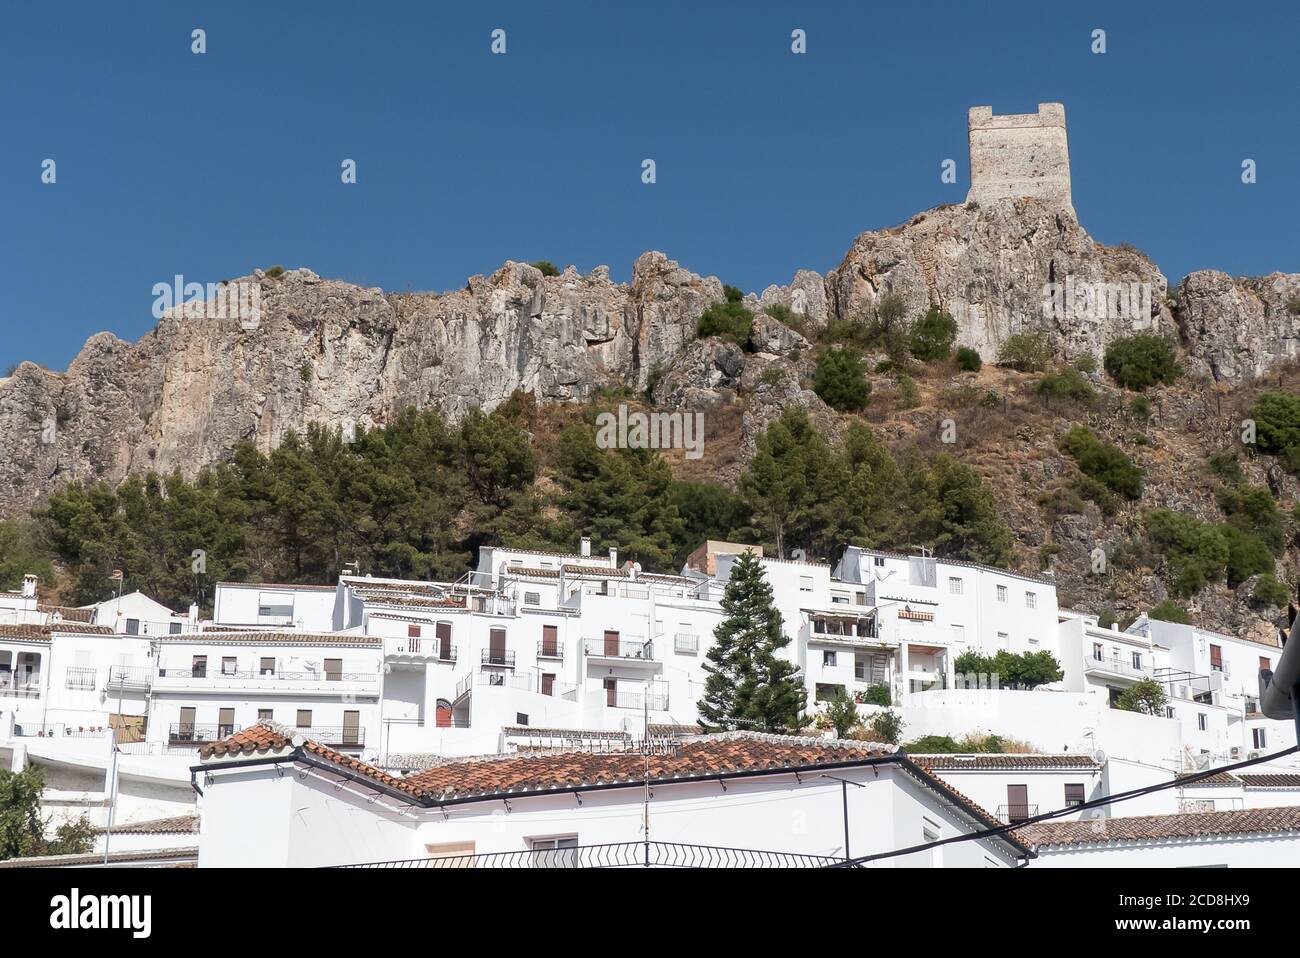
(336, 736)
(191, 733)
(505, 660)
(78, 677)
(686, 642)
(550, 649)
(656, 702)
(1012, 814)
(61, 730)
(620, 855)
(129, 676)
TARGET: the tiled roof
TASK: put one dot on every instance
(1218, 778)
(143, 857)
(43, 632)
(699, 757)
(67, 612)
(1273, 780)
(250, 637)
(990, 762)
(276, 585)
(665, 731)
(179, 825)
(1106, 831)
(532, 731)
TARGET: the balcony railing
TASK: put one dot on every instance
(620, 648)
(129, 677)
(433, 648)
(193, 734)
(1012, 814)
(501, 660)
(687, 643)
(550, 649)
(79, 678)
(1117, 665)
(61, 730)
(21, 684)
(270, 675)
(656, 701)
(518, 682)
(334, 736)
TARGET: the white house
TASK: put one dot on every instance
(729, 799)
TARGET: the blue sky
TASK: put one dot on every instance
(767, 162)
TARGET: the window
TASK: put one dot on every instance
(351, 728)
(412, 631)
(1073, 795)
(304, 718)
(828, 658)
(1003, 639)
(554, 852)
(548, 684)
(199, 666)
(1137, 661)
(1216, 658)
(1098, 651)
(1017, 803)
(1002, 593)
(333, 670)
(229, 666)
(954, 585)
(959, 634)
(185, 728)
(1265, 664)
(276, 605)
(532, 598)
(132, 626)
(521, 718)
(266, 665)
(878, 560)
(839, 598)
(1169, 711)
(1260, 737)
(266, 715)
(225, 723)
(450, 849)
(174, 628)
(1031, 600)
(805, 583)
(1200, 721)
(826, 692)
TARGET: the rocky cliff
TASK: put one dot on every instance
(328, 351)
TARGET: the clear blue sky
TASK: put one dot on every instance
(211, 165)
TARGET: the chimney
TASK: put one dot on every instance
(194, 615)
(585, 548)
(29, 586)
(613, 558)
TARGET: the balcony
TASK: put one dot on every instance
(434, 649)
(20, 684)
(264, 680)
(61, 730)
(634, 648)
(191, 735)
(655, 701)
(129, 678)
(79, 678)
(497, 659)
(686, 643)
(1015, 814)
(1117, 665)
(548, 649)
(518, 682)
(334, 736)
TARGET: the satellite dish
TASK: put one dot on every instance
(1099, 757)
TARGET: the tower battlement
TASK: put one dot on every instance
(1019, 154)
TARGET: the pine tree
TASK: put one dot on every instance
(749, 685)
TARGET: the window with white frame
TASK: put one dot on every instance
(878, 560)
(1031, 600)
(532, 598)
(828, 658)
(1002, 593)
(1260, 737)
(959, 634)
(1201, 721)
(954, 585)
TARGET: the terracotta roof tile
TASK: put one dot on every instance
(67, 612)
(991, 762)
(1107, 831)
(178, 825)
(255, 637)
(43, 632)
(1271, 780)
(1218, 778)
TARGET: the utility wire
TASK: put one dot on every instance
(1057, 813)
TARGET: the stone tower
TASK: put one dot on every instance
(1020, 154)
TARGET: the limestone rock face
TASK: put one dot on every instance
(991, 267)
(334, 353)
(805, 295)
(698, 376)
(770, 336)
(1235, 328)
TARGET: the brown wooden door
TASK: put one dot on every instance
(611, 642)
(351, 728)
(444, 641)
(548, 683)
(442, 714)
(1017, 803)
(497, 647)
(550, 640)
(611, 692)
(1216, 658)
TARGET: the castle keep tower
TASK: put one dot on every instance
(1020, 154)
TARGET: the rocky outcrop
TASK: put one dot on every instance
(1236, 328)
(330, 352)
(767, 335)
(992, 268)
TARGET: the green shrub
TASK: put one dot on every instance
(1268, 591)
(1025, 670)
(1065, 384)
(1027, 352)
(1146, 696)
(968, 360)
(1253, 510)
(275, 272)
(729, 320)
(1247, 555)
(1170, 611)
(1225, 466)
(1106, 618)
(733, 293)
(1137, 362)
(1103, 462)
(1277, 423)
(877, 695)
(933, 745)
(909, 396)
(1087, 363)
(932, 335)
(1140, 407)
(841, 381)
(886, 727)
(1196, 551)
(304, 372)
(546, 266)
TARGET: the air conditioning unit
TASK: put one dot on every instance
(1235, 751)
